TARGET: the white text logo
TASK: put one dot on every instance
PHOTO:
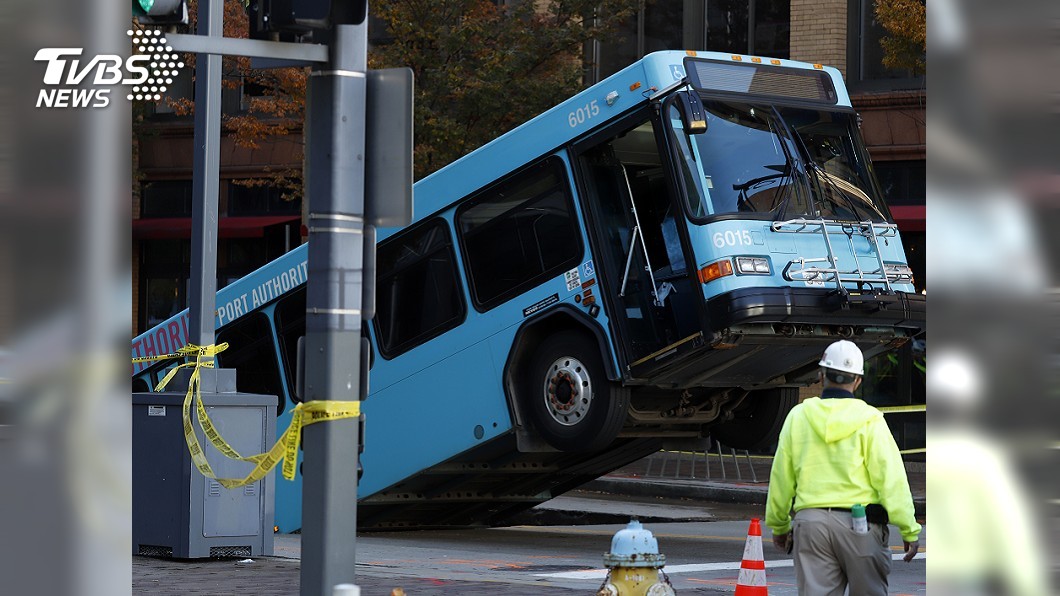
(147, 73)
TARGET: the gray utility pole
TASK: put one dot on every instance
(205, 172)
(339, 169)
(336, 163)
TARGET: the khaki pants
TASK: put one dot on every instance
(829, 556)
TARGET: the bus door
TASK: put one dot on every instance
(634, 221)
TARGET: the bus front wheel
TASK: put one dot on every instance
(571, 402)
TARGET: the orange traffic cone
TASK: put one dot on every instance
(752, 581)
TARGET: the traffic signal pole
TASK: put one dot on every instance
(336, 164)
(204, 173)
(336, 176)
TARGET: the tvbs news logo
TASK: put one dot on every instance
(68, 73)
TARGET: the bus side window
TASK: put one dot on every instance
(418, 294)
(252, 354)
(519, 233)
(289, 317)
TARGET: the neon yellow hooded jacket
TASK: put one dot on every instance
(834, 453)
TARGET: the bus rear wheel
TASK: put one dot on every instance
(757, 422)
(573, 405)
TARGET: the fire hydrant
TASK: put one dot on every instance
(634, 565)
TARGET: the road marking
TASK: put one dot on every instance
(566, 530)
(597, 574)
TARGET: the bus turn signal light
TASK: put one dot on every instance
(715, 270)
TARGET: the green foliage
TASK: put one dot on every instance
(481, 69)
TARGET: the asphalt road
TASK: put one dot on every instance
(701, 557)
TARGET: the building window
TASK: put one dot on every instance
(166, 198)
(259, 200)
(903, 182)
(164, 270)
(182, 88)
(165, 266)
(165, 297)
(418, 295)
(759, 27)
(657, 26)
(727, 26)
(250, 90)
(519, 233)
(865, 69)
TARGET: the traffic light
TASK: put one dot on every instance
(160, 12)
(289, 18)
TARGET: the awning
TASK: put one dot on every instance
(910, 218)
(157, 228)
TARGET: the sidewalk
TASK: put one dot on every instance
(275, 576)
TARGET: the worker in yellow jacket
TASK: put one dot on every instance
(834, 452)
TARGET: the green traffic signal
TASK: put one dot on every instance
(160, 12)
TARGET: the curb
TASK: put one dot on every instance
(716, 492)
(639, 487)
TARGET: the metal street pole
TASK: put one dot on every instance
(336, 130)
(205, 172)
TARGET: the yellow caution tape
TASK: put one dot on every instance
(285, 449)
(199, 352)
(899, 409)
(186, 352)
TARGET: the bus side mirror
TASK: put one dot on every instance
(692, 114)
(299, 372)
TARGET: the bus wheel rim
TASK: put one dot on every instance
(568, 391)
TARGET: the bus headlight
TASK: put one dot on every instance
(753, 265)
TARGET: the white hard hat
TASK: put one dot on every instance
(844, 356)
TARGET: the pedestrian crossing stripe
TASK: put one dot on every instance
(599, 574)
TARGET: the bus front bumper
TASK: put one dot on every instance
(818, 307)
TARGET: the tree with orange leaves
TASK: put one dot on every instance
(905, 45)
(481, 69)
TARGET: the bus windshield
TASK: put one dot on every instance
(778, 161)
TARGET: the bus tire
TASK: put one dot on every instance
(758, 420)
(570, 400)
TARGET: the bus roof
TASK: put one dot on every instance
(634, 85)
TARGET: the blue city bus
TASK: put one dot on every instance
(660, 259)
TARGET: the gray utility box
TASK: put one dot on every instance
(178, 512)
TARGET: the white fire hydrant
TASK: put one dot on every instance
(634, 565)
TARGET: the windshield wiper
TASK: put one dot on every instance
(820, 173)
(793, 163)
